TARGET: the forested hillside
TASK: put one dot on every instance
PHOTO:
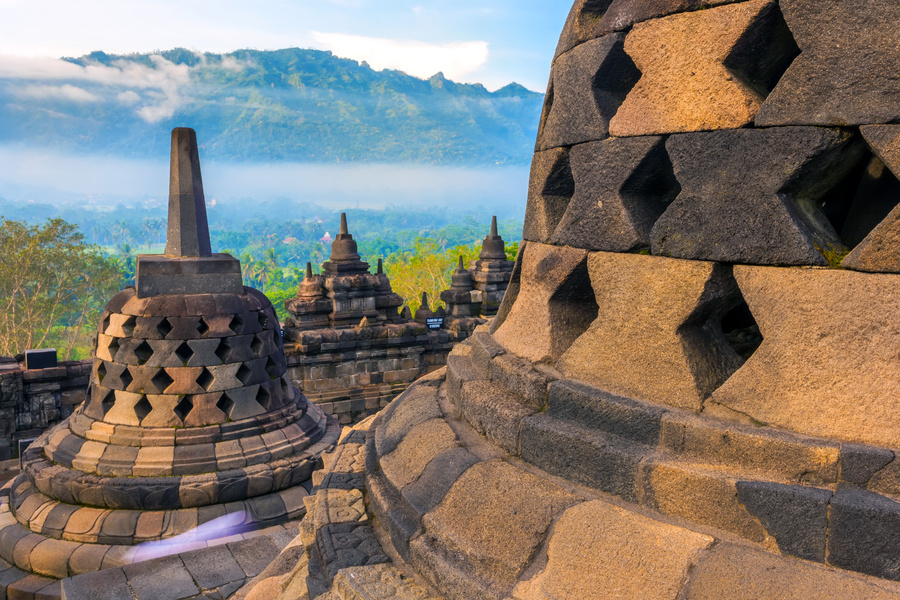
(292, 104)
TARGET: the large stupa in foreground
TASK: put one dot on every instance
(190, 424)
(692, 388)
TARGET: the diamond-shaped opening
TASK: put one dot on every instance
(143, 352)
(263, 397)
(113, 347)
(202, 327)
(877, 193)
(101, 371)
(205, 379)
(741, 331)
(126, 378)
(223, 351)
(107, 402)
(573, 303)
(650, 188)
(237, 324)
(613, 81)
(243, 373)
(225, 404)
(164, 327)
(285, 386)
(256, 345)
(271, 368)
(183, 407)
(128, 326)
(276, 335)
(263, 320)
(105, 325)
(142, 408)
(184, 353)
(764, 51)
(162, 380)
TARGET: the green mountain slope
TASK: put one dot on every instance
(292, 104)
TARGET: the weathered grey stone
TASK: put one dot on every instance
(553, 307)
(661, 308)
(580, 24)
(622, 14)
(878, 252)
(587, 85)
(413, 407)
(796, 516)
(109, 584)
(468, 530)
(737, 572)
(494, 414)
(599, 460)
(592, 407)
(822, 368)
(846, 74)
(188, 231)
(598, 550)
(550, 188)
(212, 567)
(405, 464)
(864, 533)
(622, 186)
(518, 376)
(161, 578)
(859, 463)
(691, 85)
(749, 196)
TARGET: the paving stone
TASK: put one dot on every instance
(31, 586)
(877, 252)
(254, 555)
(405, 464)
(212, 567)
(161, 578)
(622, 186)
(757, 205)
(656, 307)
(550, 188)
(600, 550)
(51, 558)
(694, 69)
(821, 369)
(87, 558)
(109, 584)
(732, 572)
(700, 496)
(845, 76)
(602, 461)
(468, 530)
(554, 305)
(587, 85)
(796, 516)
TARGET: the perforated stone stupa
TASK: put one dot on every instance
(190, 417)
(691, 390)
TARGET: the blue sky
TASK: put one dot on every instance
(492, 42)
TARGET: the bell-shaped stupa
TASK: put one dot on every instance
(189, 416)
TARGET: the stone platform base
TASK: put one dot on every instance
(465, 519)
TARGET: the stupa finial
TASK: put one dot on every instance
(309, 273)
(494, 226)
(187, 234)
(344, 230)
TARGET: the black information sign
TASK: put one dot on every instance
(434, 322)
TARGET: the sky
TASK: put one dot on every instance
(492, 42)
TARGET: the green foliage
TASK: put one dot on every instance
(53, 287)
(291, 104)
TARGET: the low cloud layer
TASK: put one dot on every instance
(456, 60)
(155, 92)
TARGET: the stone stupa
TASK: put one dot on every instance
(692, 388)
(189, 416)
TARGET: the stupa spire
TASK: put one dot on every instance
(187, 234)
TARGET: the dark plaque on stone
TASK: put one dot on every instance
(434, 322)
(40, 359)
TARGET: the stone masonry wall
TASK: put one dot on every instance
(33, 400)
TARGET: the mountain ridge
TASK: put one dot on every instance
(270, 105)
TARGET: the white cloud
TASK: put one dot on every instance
(455, 60)
(128, 97)
(56, 92)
